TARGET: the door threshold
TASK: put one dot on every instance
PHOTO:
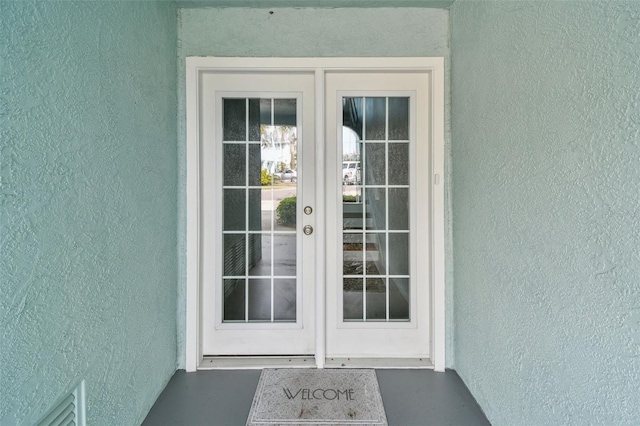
(256, 362)
(380, 363)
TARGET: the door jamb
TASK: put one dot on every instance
(195, 66)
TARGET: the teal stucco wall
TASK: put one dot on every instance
(546, 209)
(306, 32)
(88, 264)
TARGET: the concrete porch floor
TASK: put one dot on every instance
(223, 398)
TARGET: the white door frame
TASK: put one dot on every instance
(319, 66)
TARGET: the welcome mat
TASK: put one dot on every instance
(317, 397)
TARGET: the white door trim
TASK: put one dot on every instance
(196, 65)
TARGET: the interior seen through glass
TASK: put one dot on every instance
(259, 209)
(375, 206)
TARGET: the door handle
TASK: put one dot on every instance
(308, 230)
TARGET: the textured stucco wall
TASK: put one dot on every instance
(546, 209)
(306, 32)
(88, 266)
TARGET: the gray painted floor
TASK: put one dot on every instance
(223, 398)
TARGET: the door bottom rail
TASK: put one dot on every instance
(226, 362)
(256, 362)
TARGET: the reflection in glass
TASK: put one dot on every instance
(234, 160)
(284, 113)
(398, 164)
(255, 108)
(399, 254)
(284, 306)
(352, 213)
(399, 208)
(376, 299)
(375, 117)
(259, 299)
(234, 210)
(234, 255)
(352, 254)
(376, 253)
(260, 249)
(399, 298)
(352, 116)
(255, 210)
(375, 208)
(259, 155)
(255, 164)
(284, 255)
(398, 119)
(352, 298)
(234, 120)
(286, 210)
(233, 304)
(268, 215)
(374, 164)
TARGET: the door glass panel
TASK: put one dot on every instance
(259, 219)
(352, 254)
(398, 160)
(375, 206)
(259, 198)
(255, 164)
(399, 299)
(352, 120)
(376, 299)
(375, 253)
(374, 164)
(234, 254)
(284, 252)
(399, 208)
(284, 301)
(256, 106)
(375, 119)
(398, 119)
(353, 299)
(259, 299)
(234, 299)
(260, 252)
(235, 120)
(399, 254)
(235, 159)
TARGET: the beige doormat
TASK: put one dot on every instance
(317, 397)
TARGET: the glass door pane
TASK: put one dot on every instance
(375, 205)
(259, 209)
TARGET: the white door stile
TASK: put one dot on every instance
(436, 107)
(434, 67)
(320, 146)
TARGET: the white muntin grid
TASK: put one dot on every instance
(362, 191)
(272, 232)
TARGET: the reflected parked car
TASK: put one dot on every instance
(287, 176)
(351, 172)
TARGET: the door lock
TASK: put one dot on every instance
(308, 230)
(308, 210)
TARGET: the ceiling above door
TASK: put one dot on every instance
(435, 4)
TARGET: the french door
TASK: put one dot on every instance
(315, 212)
(258, 172)
(378, 299)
